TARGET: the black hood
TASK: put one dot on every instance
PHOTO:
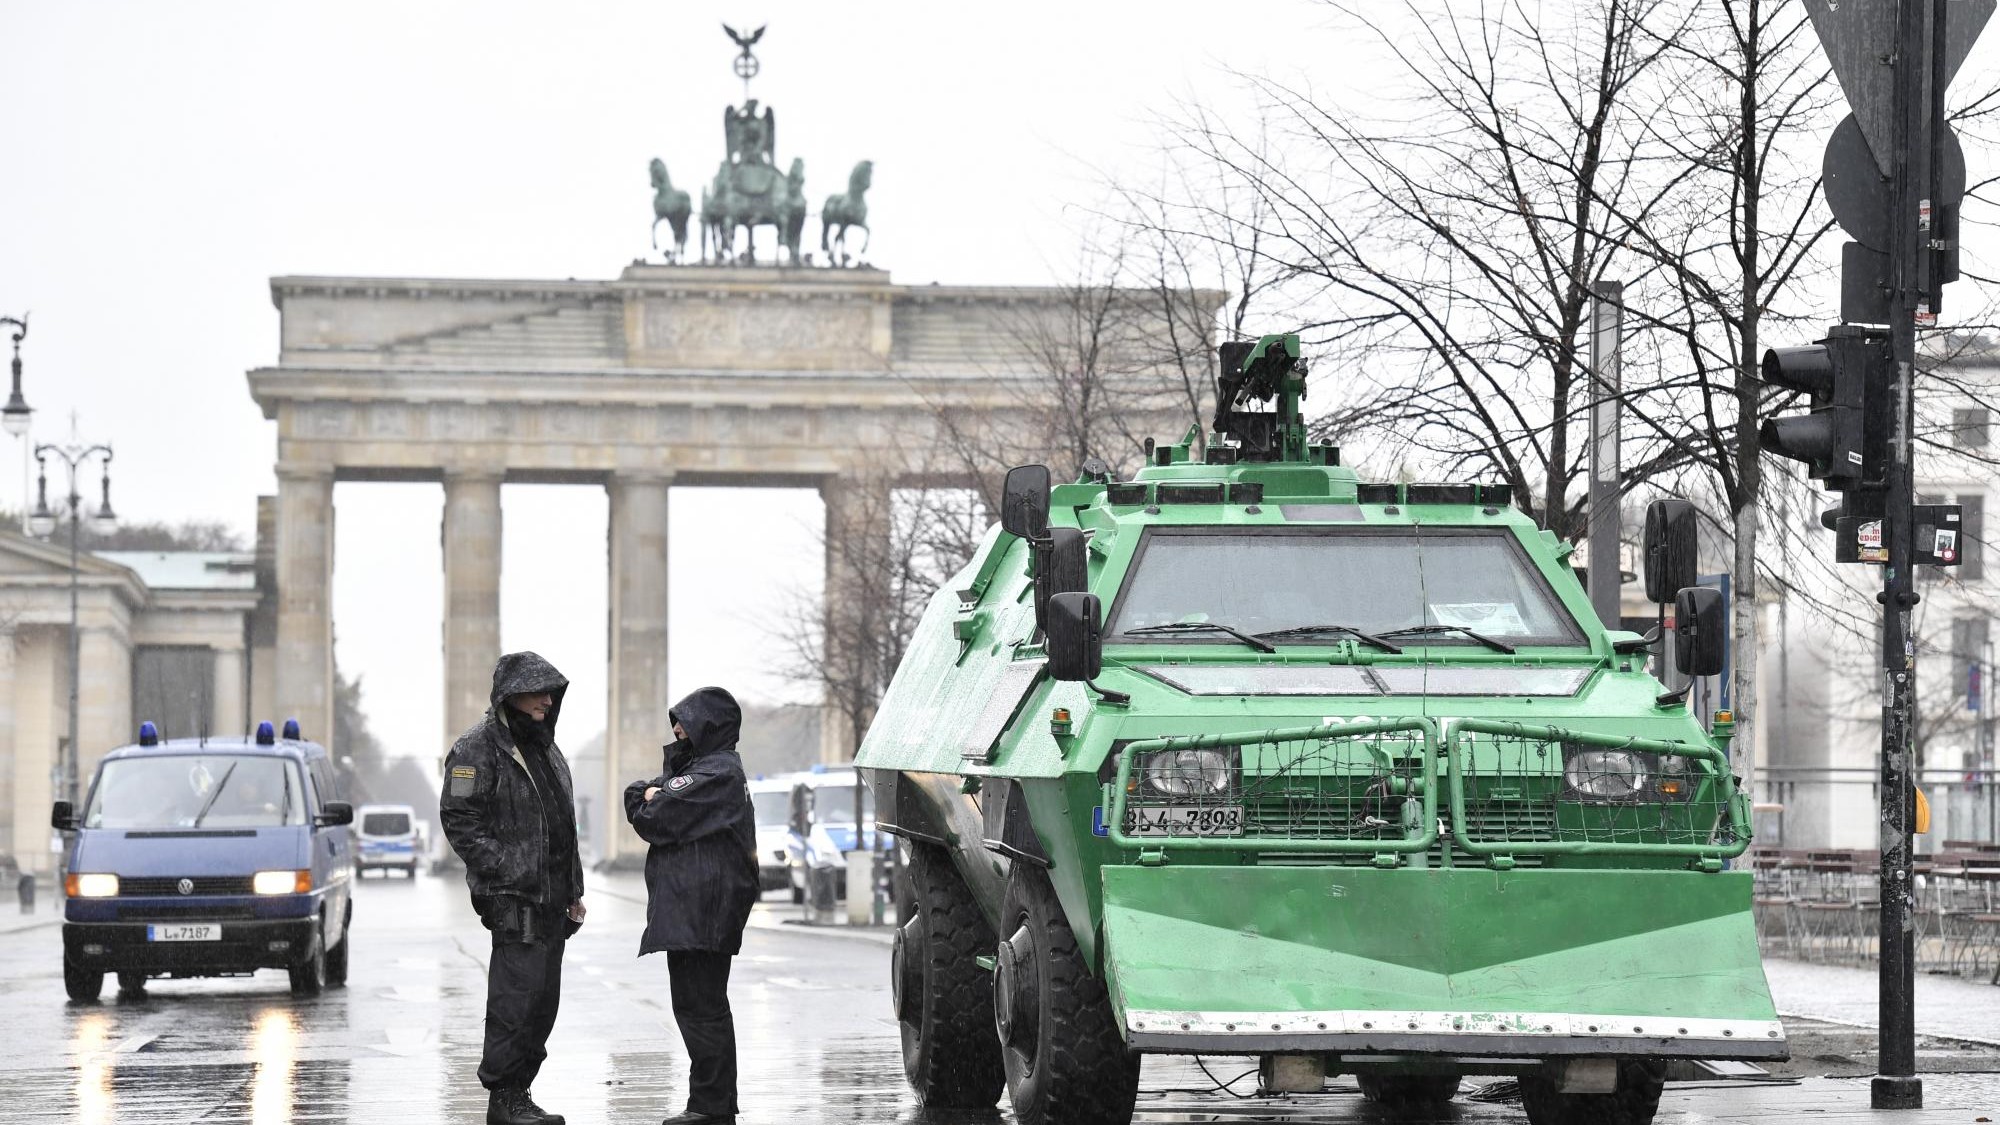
(711, 719)
(523, 673)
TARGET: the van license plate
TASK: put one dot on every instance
(207, 931)
(1184, 820)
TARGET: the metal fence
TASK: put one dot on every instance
(1825, 806)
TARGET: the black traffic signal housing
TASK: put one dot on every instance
(1847, 376)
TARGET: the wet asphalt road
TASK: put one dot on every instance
(400, 1043)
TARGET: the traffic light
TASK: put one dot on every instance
(1847, 376)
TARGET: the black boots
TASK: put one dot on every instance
(511, 1106)
(693, 1118)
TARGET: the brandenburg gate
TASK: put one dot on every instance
(669, 376)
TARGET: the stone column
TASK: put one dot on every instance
(637, 717)
(40, 699)
(471, 597)
(103, 698)
(9, 762)
(304, 687)
(228, 715)
(859, 573)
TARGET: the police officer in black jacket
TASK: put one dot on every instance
(509, 813)
(701, 881)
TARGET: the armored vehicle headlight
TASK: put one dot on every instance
(1187, 773)
(1606, 775)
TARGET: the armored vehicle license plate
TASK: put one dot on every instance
(203, 931)
(1184, 820)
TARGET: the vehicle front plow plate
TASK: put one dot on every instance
(1465, 961)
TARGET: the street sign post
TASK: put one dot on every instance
(1894, 176)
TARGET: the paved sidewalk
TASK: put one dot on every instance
(1948, 1007)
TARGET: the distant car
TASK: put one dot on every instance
(771, 797)
(207, 858)
(387, 837)
(822, 829)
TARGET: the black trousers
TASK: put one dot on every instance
(523, 990)
(700, 984)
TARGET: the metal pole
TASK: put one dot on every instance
(71, 761)
(1607, 306)
(1896, 1085)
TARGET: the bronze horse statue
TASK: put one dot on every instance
(844, 211)
(717, 236)
(670, 205)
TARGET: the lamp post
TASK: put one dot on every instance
(73, 456)
(15, 416)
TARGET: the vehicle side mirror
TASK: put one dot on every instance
(1024, 501)
(334, 813)
(1670, 549)
(1075, 641)
(62, 817)
(1062, 566)
(1699, 631)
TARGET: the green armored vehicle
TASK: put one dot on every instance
(1249, 756)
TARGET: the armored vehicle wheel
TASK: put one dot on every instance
(944, 1000)
(1408, 1089)
(1066, 1062)
(309, 975)
(1635, 1101)
(82, 984)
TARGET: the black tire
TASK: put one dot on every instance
(336, 959)
(131, 984)
(83, 985)
(309, 973)
(1066, 1062)
(944, 1000)
(1635, 1101)
(1411, 1090)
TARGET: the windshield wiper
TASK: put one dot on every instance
(1202, 627)
(1357, 634)
(1433, 630)
(212, 795)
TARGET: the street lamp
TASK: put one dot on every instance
(42, 523)
(15, 415)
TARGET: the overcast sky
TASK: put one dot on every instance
(159, 163)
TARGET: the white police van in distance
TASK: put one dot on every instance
(386, 837)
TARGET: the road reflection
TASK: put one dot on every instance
(96, 1101)
(273, 1044)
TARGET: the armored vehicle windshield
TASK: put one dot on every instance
(1319, 585)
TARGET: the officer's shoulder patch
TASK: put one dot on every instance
(467, 772)
(679, 783)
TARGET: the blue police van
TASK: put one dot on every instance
(208, 857)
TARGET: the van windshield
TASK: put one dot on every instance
(386, 824)
(197, 791)
(834, 804)
(774, 806)
(1368, 580)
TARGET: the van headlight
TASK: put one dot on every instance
(282, 882)
(1607, 775)
(94, 885)
(1187, 773)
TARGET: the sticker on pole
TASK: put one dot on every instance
(1868, 541)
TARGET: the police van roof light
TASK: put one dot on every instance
(149, 735)
(292, 729)
(266, 733)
